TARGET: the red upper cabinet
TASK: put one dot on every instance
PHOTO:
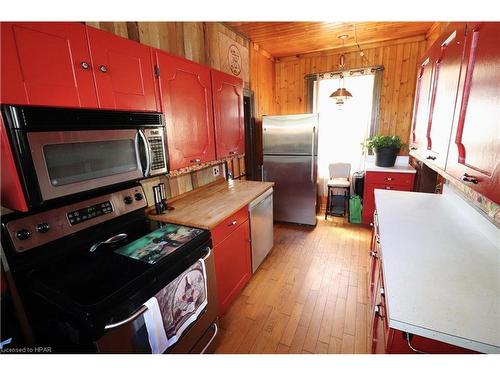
(474, 155)
(228, 114)
(418, 137)
(447, 69)
(46, 63)
(186, 99)
(123, 71)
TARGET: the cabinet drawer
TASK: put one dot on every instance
(228, 225)
(390, 178)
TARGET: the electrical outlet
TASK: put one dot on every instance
(216, 171)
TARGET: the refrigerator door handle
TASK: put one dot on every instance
(312, 153)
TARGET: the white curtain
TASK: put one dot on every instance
(343, 128)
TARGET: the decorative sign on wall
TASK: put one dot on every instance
(233, 57)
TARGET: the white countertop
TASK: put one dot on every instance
(441, 268)
(401, 165)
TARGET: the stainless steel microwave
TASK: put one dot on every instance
(65, 152)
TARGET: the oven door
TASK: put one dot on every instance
(130, 335)
(70, 162)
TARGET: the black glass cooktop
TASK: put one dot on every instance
(87, 279)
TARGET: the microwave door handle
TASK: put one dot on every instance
(147, 170)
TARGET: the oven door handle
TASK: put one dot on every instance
(144, 308)
(135, 315)
(216, 330)
(209, 252)
(147, 170)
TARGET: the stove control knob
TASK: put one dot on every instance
(138, 196)
(23, 234)
(128, 199)
(43, 227)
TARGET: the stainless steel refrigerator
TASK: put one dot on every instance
(290, 145)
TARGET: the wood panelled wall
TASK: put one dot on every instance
(262, 83)
(399, 59)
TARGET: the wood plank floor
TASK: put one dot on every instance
(310, 295)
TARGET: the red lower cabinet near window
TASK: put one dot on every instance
(232, 254)
(386, 181)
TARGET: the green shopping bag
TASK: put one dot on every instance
(355, 207)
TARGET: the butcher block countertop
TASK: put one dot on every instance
(441, 268)
(208, 206)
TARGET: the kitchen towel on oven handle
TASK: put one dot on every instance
(175, 307)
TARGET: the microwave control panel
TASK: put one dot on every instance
(156, 144)
(87, 213)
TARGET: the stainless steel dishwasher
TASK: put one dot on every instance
(261, 226)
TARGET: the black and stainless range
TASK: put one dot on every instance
(63, 153)
(85, 272)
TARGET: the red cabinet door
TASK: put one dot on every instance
(123, 71)
(186, 99)
(474, 155)
(418, 137)
(228, 114)
(12, 194)
(46, 63)
(447, 68)
(232, 265)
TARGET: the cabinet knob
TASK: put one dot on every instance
(430, 157)
(468, 178)
(232, 152)
(413, 148)
(374, 254)
(234, 222)
(388, 188)
(103, 68)
(85, 65)
(389, 178)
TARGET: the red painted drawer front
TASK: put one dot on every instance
(228, 114)
(390, 178)
(224, 229)
(186, 98)
(123, 72)
(12, 195)
(232, 265)
(383, 180)
(43, 63)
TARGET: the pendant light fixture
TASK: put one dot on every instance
(341, 94)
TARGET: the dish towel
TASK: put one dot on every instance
(175, 307)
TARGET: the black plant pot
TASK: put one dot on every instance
(385, 156)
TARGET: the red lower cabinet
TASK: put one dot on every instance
(385, 181)
(232, 261)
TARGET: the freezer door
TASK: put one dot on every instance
(290, 135)
(295, 187)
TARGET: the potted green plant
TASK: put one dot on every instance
(386, 148)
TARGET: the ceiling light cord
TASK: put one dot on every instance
(361, 52)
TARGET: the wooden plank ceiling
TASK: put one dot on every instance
(294, 38)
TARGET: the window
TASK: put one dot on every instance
(343, 128)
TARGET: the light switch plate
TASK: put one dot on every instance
(216, 171)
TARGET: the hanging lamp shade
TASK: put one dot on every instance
(341, 94)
